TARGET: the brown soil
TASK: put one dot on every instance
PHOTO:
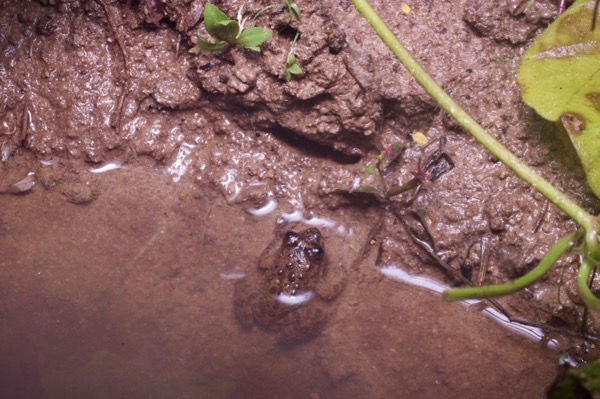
(119, 284)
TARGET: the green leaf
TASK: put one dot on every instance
(208, 46)
(227, 31)
(366, 190)
(218, 25)
(293, 7)
(252, 38)
(291, 70)
(291, 59)
(576, 382)
(370, 169)
(560, 78)
(295, 69)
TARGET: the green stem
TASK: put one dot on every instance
(469, 124)
(586, 268)
(493, 291)
(265, 9)
(397, 190)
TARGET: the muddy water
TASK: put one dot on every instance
(130, 296)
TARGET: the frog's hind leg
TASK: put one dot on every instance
(302, 324)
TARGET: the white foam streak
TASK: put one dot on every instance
(232, 276)
(106, 168)
(534, 333)
(530, 332)
(298, 216)
(269, 207)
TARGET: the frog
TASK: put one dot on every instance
(290, 290)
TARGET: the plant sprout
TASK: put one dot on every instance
(229, 32)
(427, 172)
(291, 66)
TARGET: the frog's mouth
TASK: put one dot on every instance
(296, 299)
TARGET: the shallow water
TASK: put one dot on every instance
(130, 296)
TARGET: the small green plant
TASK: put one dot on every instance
(228, 32)
(291, 62)
(429, 171)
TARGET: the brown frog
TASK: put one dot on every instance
(287, 295)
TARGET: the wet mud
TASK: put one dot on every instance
(161, 173)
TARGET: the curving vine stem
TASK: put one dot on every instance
(590, 247)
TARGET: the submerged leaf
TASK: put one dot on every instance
(560, 78)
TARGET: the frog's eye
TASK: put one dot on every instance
(291, 239)
(312, 235)
(315, 253)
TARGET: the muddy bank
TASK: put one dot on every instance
(91, 84)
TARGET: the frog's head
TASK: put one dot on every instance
(309, 241)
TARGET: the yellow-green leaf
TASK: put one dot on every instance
(560, 78)
(252, 38)
(218, 25)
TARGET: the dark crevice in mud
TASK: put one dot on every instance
(404, 122)
(287, 31)
(313, 149)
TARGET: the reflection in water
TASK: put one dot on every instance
(232, 276)
(530, 332)
(418, 281)
(296, 299)
(534, 333)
